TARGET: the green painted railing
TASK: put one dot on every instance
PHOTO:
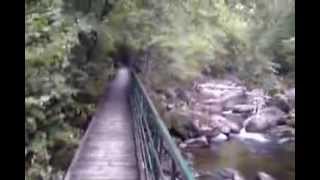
(158, 155)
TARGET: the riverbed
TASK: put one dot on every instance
(248, 157)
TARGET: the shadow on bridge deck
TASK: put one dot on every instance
(107, 150)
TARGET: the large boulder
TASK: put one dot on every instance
(285, 101)
(257, 124)
(225, 125)
(206, 127)
(280, 101)
(181, 125)
(268, 117)
(235, 127)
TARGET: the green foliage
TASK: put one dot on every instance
(61, 87)
(248, 35)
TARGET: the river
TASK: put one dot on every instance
(248, 157)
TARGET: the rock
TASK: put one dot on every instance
(181, 125)
(256, 124)
(258, 97)
(219, 138)
(234, 127)
(210, 101)
(197, 142)
(252, 136)
(183, 95)
(280, 101)
(234, 79)
(217, 119)
(274, 115)
(209, 132)
(256, 92)
(209, 92)
(169, 107)
(220, 122)
(170, 93)
(268, 117)
(211, 109)
(237, 176)
(225, 125)
(162, 97)
(158, 91)
(225, 130)
(264, 176)
(235, 117)
(183, 145)
(243, 108)
(282, 131)
(237, 97)
(215, 108)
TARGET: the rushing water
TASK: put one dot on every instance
(248, 157)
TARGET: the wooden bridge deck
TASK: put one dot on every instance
(107, 150)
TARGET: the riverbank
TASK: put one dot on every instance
(222, 123)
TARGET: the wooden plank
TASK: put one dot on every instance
(107, 150)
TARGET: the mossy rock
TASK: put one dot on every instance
(181, 125)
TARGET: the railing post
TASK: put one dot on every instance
(173, 172)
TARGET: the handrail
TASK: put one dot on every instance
(154, 144)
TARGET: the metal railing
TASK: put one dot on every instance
(158, 155)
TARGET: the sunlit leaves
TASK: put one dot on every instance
(53, 115)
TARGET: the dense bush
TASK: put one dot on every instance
(253, 38)
(66, 72)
